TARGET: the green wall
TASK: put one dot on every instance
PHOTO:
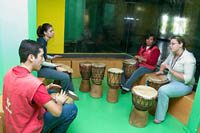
(74, 19)
(14, 19)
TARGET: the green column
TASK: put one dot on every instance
(194, 120)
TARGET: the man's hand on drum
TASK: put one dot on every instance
(53, 86)
(57, 56)
(61, 97)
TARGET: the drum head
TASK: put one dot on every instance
(130, 61)
(160, 79)
(85, 63)
(64, 68)
(145, 91)
(115, 70)
(98, 64)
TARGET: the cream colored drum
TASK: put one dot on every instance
(143, 98)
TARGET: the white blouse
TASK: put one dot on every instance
(185, 64)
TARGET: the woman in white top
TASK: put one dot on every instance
(181, 65)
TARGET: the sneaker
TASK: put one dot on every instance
(124, 92)
(72, 95)
(125, 88)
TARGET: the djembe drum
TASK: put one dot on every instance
(114, 81)
(86, 71)
(98, 70)
(143, 98)
(129, 66)
(156, 81)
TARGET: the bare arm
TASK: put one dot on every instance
(176, 74)
(55, 108)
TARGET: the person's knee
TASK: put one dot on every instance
(70, 108)
(65, 77)
(162, 91)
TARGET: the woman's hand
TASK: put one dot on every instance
(140, 58)
(53, 86)
(57, 56)
(169, 68)
(159, 72)
(61, 97)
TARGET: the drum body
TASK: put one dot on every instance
(114, 77)
(114, 81)
(143, 97)
(85, 70)
(129, 66)
(98, 70)
(156, 81)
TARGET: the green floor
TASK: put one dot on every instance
(99, 116)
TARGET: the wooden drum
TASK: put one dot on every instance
(156, 81)
(98, 70)
(143, 98)
(114, 79)
(85, 71)
(129, 66)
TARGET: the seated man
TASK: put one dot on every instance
(26, 103)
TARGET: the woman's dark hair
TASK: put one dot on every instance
(147, 37)
(28, 47)
(43, 28)
(179, 40)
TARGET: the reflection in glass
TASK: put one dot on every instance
(164, 24)
(180, 25)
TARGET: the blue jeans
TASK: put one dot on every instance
(170, 90)
(135, 75)
(60, 124)
(52, 73)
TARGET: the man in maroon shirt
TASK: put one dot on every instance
(26, 103)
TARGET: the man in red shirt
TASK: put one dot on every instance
(26, 103)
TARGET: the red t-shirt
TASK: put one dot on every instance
(41, 95)
(23, 98)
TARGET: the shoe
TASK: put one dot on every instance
(72, 95)
(124, 91)
(157, 121)
(125, 88)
